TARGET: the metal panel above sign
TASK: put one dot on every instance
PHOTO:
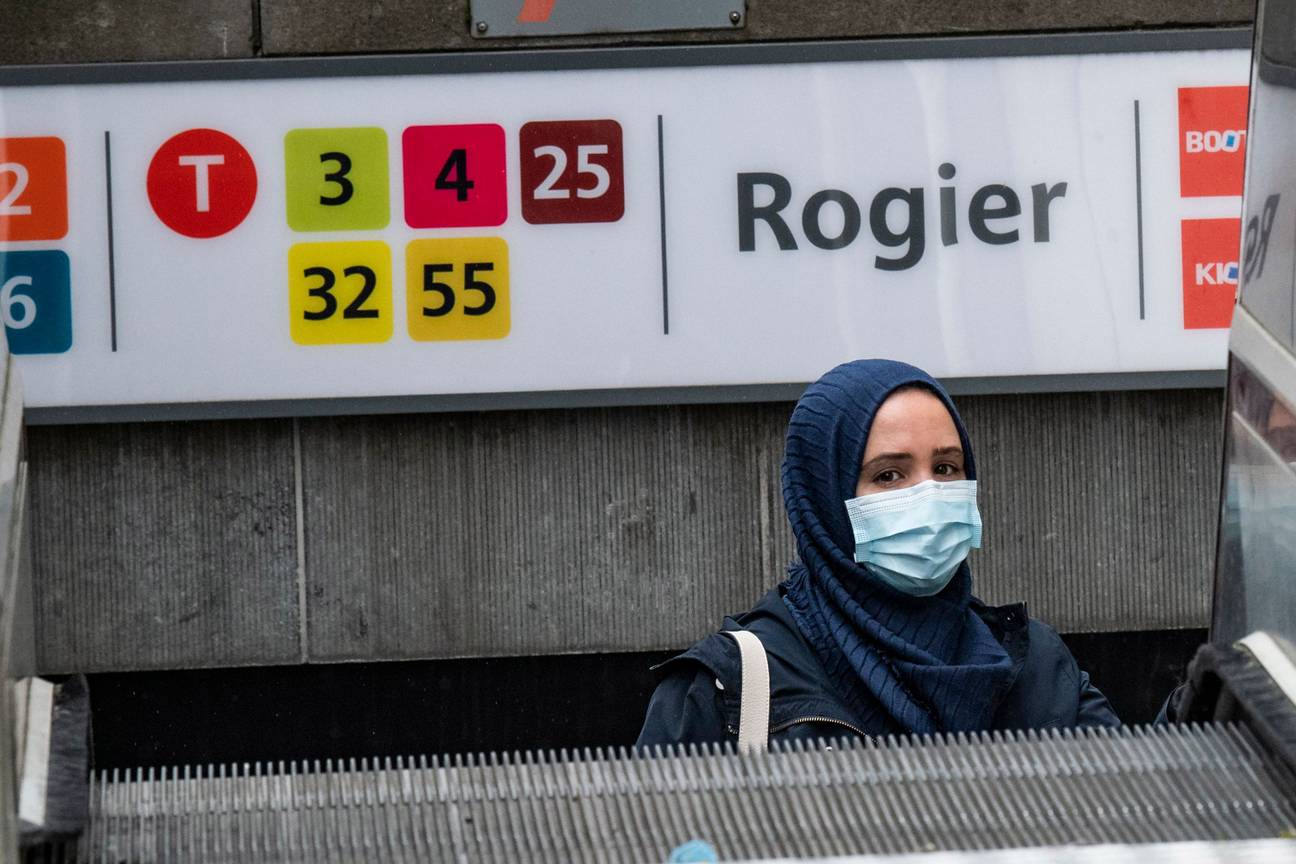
(494, 18)
(300, 235)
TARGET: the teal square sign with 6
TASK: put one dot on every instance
(36, 301)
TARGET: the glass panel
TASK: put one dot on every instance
(1255, 574)
(1269, 204)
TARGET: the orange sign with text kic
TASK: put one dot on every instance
(1210, 271)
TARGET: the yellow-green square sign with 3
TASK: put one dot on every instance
(336, 179)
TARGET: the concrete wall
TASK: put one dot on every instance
(443, 535)
(273, 541)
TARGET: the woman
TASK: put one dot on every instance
(876, 631)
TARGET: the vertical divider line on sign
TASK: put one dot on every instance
(661, 200)
(1138, 198)
(112, 263)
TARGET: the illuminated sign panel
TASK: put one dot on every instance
(413, 235)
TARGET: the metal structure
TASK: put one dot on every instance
(17, 649)
(1257, 549)
(965, 792)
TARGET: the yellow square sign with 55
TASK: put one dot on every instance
(457, 288)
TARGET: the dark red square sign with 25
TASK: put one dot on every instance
(572, 171)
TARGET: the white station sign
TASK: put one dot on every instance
(664, 227)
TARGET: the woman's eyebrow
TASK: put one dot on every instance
(898, 456)
(948, 451)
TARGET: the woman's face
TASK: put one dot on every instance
(913, 439)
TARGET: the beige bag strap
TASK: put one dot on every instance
(754, 708)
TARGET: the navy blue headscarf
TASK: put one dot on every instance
(902, 663)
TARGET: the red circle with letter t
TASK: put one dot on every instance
(202, 183)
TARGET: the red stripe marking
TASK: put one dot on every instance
(535, 11)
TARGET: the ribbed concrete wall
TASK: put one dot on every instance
(552, 531)
(164, 545)
(1100, 507)
(450, 535)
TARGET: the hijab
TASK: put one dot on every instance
(901, 663)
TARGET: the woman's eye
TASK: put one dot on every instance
(948, 469)
(888, 476)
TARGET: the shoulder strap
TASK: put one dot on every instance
(754, 707)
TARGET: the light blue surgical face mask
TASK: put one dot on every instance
(914, 539)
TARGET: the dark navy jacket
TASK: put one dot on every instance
(698, 699)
